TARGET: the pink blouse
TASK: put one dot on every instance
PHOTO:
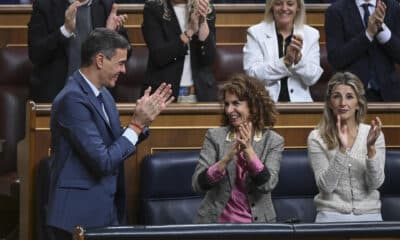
(237, 210)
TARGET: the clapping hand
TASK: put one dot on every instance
(202, 10)
(245, 135)
(373, 134)
(245, 140)
(114, 21)
(377, 18)
(293, 51)
(148, 107)
(70, 16)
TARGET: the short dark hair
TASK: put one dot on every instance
(102, 40)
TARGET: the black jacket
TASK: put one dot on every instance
(167, 52)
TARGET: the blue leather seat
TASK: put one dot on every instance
(166, 192)
(390, 190)
(293, 197)
(167, 197)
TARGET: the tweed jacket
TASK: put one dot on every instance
(269, 149)
(347, 183)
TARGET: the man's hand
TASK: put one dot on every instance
(70, 16)
(114, 21)
(376, 19)
(148, 107)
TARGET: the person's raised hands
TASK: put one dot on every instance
(148, 107)
(373, 134)
(203, 10)
(229, 156)
(293, 51)
(114, 21)
(70, 16)
(377, 18)
(374, 131)
(245, 136)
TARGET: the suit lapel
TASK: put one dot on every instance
(270, 43)
(58, 9)
(112, 113)
(174, 19)
(92, 98)
(353, 16)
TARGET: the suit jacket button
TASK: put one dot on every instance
(291, 90)
(255, 218)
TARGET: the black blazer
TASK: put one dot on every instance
(48, 48)
(167, 52)
(349, 48)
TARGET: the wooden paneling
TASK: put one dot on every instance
(179, 127)
(231, 23)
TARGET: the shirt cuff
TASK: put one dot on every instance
(255, 166)
(214, 175)
(384, 35)
(130, 135)
(65, 32)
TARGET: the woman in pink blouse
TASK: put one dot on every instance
(239, 162)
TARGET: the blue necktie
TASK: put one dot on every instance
(100, 99)
(366, 13)
(372, 74)
(101, 102)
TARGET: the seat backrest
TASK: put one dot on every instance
(167, 197)
(229, 60)
(318, 90)
(293, 197)
(130, 84)
(390, 190)
(166, 192)
(15, 69)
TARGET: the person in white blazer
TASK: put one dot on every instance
(298, 67)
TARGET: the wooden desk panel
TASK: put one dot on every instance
(180, 127)
(232, 20)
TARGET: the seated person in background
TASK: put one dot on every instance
(180, 35)
(283, 52)
(347, 156)
(363, 37)
(89, 146)
(239, 163)
(56, 31)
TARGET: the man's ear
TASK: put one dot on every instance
(99, 60)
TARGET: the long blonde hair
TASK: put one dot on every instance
(327, 125)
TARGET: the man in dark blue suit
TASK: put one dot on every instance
(89, 145)
(363, 37)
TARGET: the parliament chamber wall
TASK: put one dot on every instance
(181, 126)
